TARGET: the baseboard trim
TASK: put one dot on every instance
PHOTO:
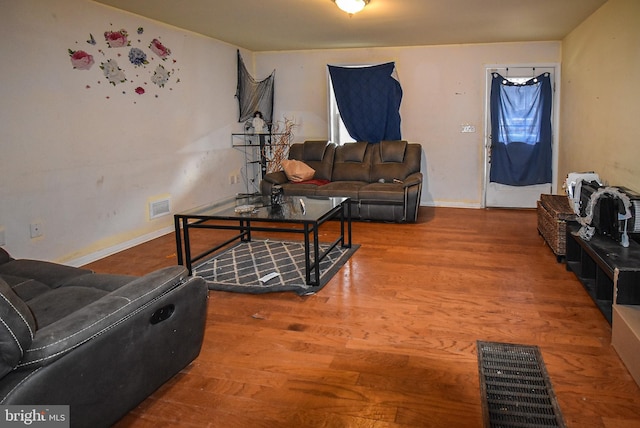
(449, 204)
(106, 252)
(89, 258)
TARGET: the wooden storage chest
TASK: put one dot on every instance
(553, 213)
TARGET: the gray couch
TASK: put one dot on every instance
(99, 343)
(383, 179)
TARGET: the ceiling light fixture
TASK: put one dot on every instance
(351, 6)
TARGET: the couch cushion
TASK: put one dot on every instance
(101, 281)
(313, 150)
(60, 302)
(382, 192)
(299, 189)
(353, 152)
(296, 170)
(17, 328)
(352, 163)
(52, 274)
(386, 163)
(347, 189)
(26, 288)
(392, 151)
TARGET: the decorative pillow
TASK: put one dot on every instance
(297, 171)
(17, 328)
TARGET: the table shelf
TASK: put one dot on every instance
(610, 274)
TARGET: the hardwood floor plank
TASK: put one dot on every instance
(391, 340)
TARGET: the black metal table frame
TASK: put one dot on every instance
(184, 222)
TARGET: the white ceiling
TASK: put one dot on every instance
(272, 25)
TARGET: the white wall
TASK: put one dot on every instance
(601, 91)
(444, 87)
(84, 159)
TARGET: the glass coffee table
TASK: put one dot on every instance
(295, 214)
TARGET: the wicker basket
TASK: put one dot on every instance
(553, 213)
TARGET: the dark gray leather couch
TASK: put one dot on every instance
(383, 179)
(99, 343)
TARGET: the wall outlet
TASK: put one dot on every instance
(36, 230)
(467, 128)
(234, 178)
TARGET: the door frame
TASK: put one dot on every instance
(555, 113)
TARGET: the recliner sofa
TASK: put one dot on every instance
(99, 343)
(382, 179)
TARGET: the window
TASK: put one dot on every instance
(369, 100)
(338, 133)
(524, 128)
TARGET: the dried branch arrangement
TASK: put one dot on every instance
(278, 150)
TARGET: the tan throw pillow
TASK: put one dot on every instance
(297, 171)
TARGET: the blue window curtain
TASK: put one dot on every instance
(521, 131)
(368, 99)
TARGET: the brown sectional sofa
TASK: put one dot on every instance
(382, 179)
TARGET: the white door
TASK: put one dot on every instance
(501, 195)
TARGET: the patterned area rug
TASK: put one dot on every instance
(515, 387)
(240, 268)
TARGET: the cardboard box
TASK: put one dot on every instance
(625, 337)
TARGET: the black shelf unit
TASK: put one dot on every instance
(256, 148)
(609, 272)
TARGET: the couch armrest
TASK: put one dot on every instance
(60, 337)
(278, 177)
(271, 179)
(413, 180)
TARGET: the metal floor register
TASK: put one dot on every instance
(516, 390)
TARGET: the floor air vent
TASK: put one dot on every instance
(516, 390)
(159, 208)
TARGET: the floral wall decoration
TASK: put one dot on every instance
(137, 65)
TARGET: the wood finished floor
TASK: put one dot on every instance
(391, 340)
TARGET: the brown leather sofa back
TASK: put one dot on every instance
(394, 160)
(352, 162)
(318, 154)
(382, 179)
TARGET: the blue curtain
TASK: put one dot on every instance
(521, 131)
(368, 99)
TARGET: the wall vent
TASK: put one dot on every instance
(159, 208)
